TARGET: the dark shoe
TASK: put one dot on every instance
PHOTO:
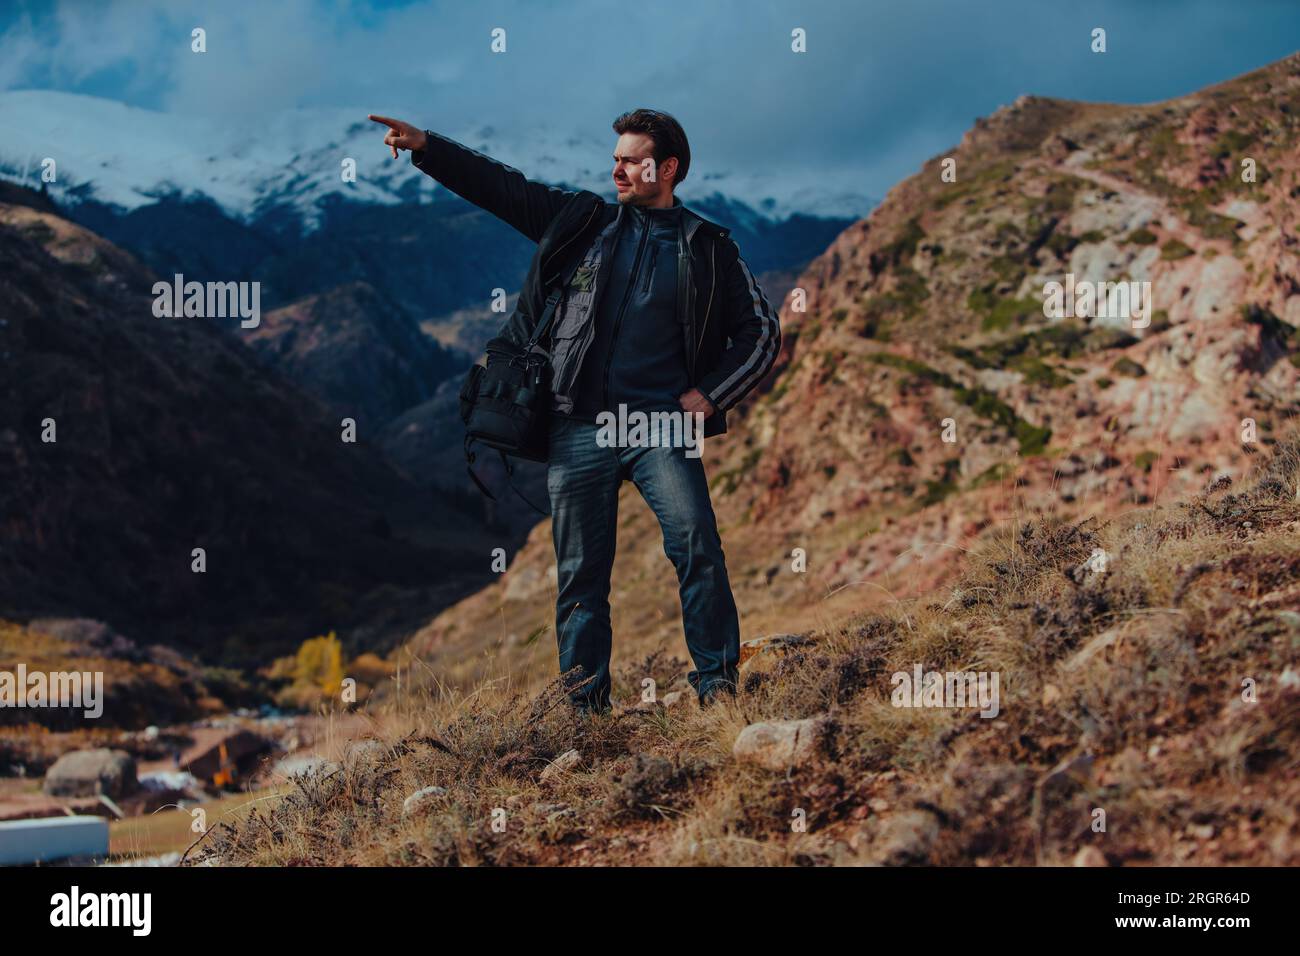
(585, 710)
(716, 693)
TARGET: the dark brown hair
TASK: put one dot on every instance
(668, 135)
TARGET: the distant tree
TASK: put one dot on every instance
(319, 664)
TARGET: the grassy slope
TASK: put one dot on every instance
(1121, 691)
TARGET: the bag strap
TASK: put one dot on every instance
(552, 301)
(510, 473)
(548, 313)
(469, 467)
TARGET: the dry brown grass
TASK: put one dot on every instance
(1121, 691)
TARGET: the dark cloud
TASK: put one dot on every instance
(882, 87)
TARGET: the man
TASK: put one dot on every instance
(658, 314)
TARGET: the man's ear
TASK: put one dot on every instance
(668, 170)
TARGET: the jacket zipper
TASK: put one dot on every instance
(622, 307)
(650, 270)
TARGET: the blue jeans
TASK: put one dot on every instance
(583, 479)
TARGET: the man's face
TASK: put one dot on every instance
(633, 162)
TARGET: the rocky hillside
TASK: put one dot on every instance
(170, 436)
(355, 349)
(923, 398)
(1147, 713)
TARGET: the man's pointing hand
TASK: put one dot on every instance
(401, 135)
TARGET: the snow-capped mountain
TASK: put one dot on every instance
(128, 157)
(351, 271)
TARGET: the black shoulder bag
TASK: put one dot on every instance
(506, 404)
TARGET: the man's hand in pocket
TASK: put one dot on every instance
(694, 401)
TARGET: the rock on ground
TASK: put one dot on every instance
(421, 799)
(780, 744)
(561, 765)
(87, 773)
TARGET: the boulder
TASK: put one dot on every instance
(88, 773)
(561, 765)
(360, 750)
(780, 744)
(421, 799)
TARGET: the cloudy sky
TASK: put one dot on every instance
(884, 84)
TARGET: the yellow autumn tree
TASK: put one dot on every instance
(319, 664)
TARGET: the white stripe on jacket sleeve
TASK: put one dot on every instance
(760, 360)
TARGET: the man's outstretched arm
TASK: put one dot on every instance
(500, 189)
